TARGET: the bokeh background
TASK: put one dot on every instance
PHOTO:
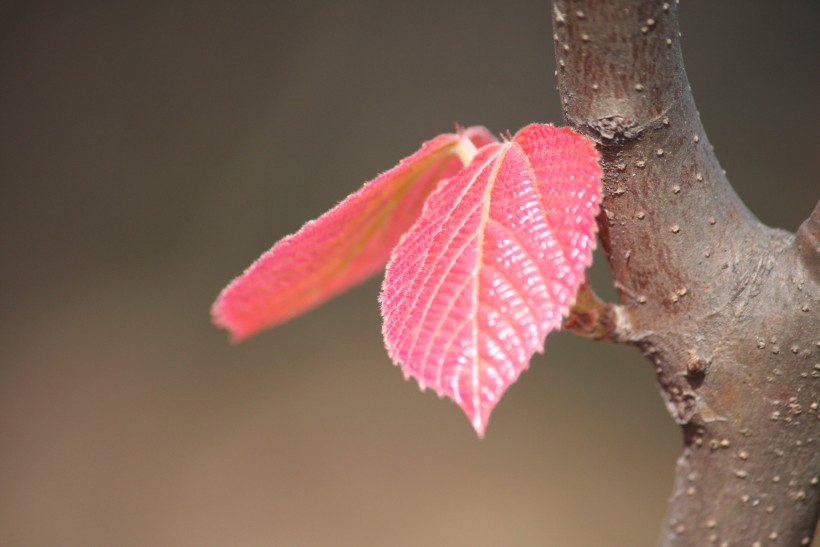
(150, 151)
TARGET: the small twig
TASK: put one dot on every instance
(808, 242)
(594, 318)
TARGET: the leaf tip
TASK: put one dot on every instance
(479, 417)
(220, 319)
(480, 425)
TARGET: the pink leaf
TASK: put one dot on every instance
(493, 265)
(344, 246)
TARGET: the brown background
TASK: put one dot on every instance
(149, 152)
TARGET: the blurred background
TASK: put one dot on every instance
(150, 151)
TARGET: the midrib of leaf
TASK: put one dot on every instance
(427, 304)
(478, 419)
(464, 149)
(378, 212)
(477, 239)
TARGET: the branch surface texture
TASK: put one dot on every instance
(726, 309)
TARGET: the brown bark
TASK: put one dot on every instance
(725, 308)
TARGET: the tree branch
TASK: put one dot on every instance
(728, 310)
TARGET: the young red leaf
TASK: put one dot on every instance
(344, 246)
(493, 265)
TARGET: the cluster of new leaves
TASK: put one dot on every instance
(486, 244)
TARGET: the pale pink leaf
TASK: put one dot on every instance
(344, 246)
(492, 265)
